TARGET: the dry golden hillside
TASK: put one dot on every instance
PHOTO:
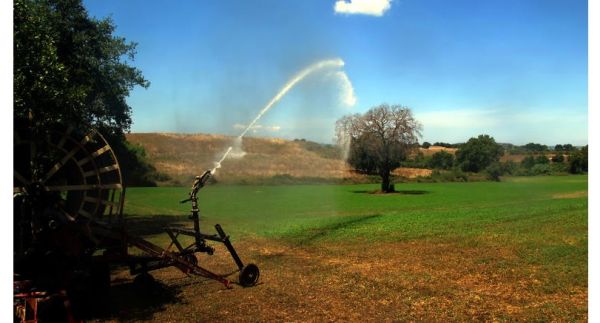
(182, 156)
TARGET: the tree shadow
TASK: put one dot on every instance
(411, 192)
(400, 192)
(314, 234)
(155, 224)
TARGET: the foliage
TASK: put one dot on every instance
(578, 161)
(70, 69)
(565, 148)
(478, 153)
(533, 147)
(528, 162)
(540, 165)
(138, 171)
(452, 175)
(426, 145)
(494, 171)
(558, 158)
(509, 167)
(559, 168)
(379, 139)
(441, 160)
(446, 145)
(541, 169)
(419, 160)
(542, 159)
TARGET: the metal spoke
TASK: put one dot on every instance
(95, 200)
(101, 170)
(21, 178)
(68, 156)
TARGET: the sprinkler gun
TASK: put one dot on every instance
(248, 273)
(199, 182)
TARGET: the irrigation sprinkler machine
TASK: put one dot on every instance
(69, 228)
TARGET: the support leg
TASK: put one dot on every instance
(229, 246)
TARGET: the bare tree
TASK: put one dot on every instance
(379, 140)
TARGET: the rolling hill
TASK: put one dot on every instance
(182, 156)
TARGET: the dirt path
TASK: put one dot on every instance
(406, 281)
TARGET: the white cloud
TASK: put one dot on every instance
(363, 7)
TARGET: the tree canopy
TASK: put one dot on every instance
(534, 147)
(379, 139)
(69, 68)
(578, 161)
(478, 153)
(441, 160)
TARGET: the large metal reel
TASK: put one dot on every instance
(78, 167)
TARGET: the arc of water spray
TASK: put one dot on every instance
(288, 86)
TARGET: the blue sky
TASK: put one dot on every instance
(516, 70)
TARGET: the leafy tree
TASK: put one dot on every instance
(558, 158)
(69, 68)
(542, 159)
(541, 169)
(441, 160)
(444, 144)
(578, 161)
(509, 167)
(379, 139)
(568, 147)
(494, 171)
(528, 162)
(533, 147)
(426, 145)
(478, 153)
(558, 148)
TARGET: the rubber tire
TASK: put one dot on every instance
(249, 275)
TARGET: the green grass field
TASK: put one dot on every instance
(516, 249)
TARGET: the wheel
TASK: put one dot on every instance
(73, 171)
(249, 275)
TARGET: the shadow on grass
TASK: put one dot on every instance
(129, 302)
(155, 224)
(400, 192)
(313, 234)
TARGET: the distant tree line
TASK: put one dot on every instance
(482, 155)
(426, 145)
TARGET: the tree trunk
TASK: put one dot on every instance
(385, 182)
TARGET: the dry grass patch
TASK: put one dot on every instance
(572, 195)
(434, 149)
(406, 281)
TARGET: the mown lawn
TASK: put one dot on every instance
(434, 251)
